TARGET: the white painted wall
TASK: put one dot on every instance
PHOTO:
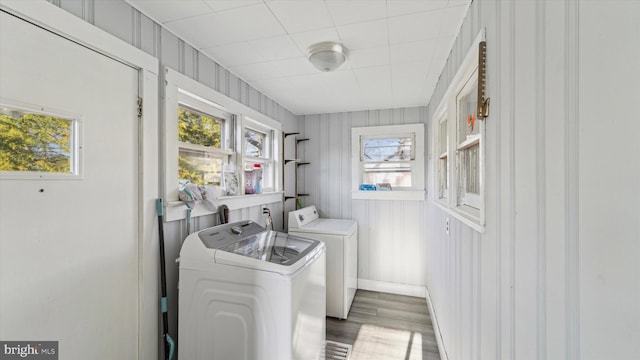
(391, 247)
(556, 273)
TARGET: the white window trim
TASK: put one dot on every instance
(177, 83)
(77, 158)
(417, 192)
(473, 217)
(273, 159)
(440, 117)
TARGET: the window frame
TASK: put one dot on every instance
(417, 190)
(209, 101)
(76, 143)
(442, 187)
(272, 149)
(468, 208)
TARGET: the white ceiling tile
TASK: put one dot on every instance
(417, 51)
(408, 77)
(459, 3)
(275, 48)
(294, 67)
(299, 16)
(221, 5)
(415, 27)
(232, 54)
(240, 24)
(166, 10)
(453, 18)
(404, 7)
(348, 12)
(375, 85)
(259, 71)
(308, 38)
(364, 35)
(362, 58)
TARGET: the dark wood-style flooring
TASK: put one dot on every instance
(387, 327)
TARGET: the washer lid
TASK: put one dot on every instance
(341, 227)
(270, 251)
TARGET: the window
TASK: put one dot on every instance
(443, 157)
(468, 144)
(392, 155)
(459, 163)
(35, 144)
(209, 139)
(387, 160)
(200, 141)
(259, 149)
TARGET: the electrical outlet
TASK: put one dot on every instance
(447, 226)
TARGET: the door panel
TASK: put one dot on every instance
(69, 248)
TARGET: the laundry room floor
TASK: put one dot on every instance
(386, 326)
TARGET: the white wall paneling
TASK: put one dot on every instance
(391, 248)
(554, 274)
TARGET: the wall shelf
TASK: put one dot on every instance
(298, 162)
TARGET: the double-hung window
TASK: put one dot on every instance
(468, 144)
(388, 157)
(443, 157)
(258, 149)
(459, 145)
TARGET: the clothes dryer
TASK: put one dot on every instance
(341, 239)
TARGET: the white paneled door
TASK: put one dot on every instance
(69, 246)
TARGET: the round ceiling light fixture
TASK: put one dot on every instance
(327, 56)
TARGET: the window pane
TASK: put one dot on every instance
(443, 177)
(387, 149)
(398, 174)
(267, 172)
(472, 170)
(35, 143)
(255, 143)
(467, 107)
(199, 167)
(199, 129)
(443, 137)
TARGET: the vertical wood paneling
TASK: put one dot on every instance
(541, 189)
(528, 265)
(555, 182)
(572, 272)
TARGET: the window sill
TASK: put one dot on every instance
(465, 214)
(177, 210)
(389, 195)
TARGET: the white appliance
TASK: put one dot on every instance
(341, 239)
(247, 293)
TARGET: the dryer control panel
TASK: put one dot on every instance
(303, 217)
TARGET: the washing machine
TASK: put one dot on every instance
(247, 293)
(341, 239)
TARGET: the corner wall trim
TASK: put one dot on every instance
(436, 327)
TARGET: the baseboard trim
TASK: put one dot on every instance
(392, 288)
(436, 328)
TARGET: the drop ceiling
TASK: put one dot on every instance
(397, 48)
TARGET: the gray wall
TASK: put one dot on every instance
(555, 275)
(391, 245)
(125, 22)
